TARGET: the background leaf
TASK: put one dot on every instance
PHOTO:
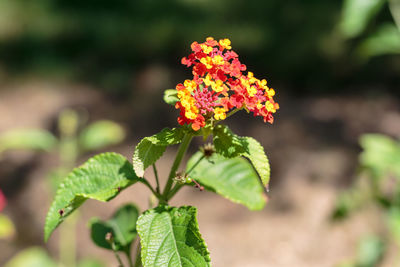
(101, 177)
(101, 134)
(385, 40)
(122, 225)
(90, 263)
(234, 179)
(171, 96)
(7, 228)
(381, 154)
(357, 14)
(170, 237)
(31, 257)
(150, 149)
(34, 139)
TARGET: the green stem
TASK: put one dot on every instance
(146, 183)
(229, 114)
(156, 176)
(138, 260)
(179, 156)
(128, 256)
(197, 163)
(67, 241)
(116, 255)
(68, 153)
(177, 187)
(233, 112)
(174, 190)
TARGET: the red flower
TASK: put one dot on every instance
(3, 201)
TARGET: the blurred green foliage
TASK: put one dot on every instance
(378, 184)
(32, 139)
(75, 139)
(370, 252)
(38, 257)
(108, 42)
(32, 257)
(359, 16)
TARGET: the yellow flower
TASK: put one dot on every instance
(218, 60)
(206, 49)
(225, 43)
(271, 92)
(217, 86)
(190, 85)
(219, 113)
(207, 61)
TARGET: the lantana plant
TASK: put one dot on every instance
(232, 166)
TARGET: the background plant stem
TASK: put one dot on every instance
(68, 153)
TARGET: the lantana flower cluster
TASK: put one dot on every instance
(219, 86)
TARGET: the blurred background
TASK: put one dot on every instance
(81, 77)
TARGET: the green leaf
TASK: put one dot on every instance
(101, 177)
(230, 145)
(122, 225)
(234, 179)
(7, 228)
(150, 149)
(356, 15)
(171, 96)
(32, 257)
(227, 143)
(381, 154)
(255, 153)
(384, 41)
(170, 237)
(33, 139)
(101, 134)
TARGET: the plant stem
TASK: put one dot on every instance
(177, 187)
(233, 112)
(67, 241)
(146, 183)
(179, 155)
(128, 256)
(156, 176)
(174, 190)
(229, 114)
(68, 153)
(197, 163)
(116, 255)
(138, 260)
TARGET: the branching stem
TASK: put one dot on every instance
(114, 249)
(146, 183)
(177, 187)
(179, 156)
